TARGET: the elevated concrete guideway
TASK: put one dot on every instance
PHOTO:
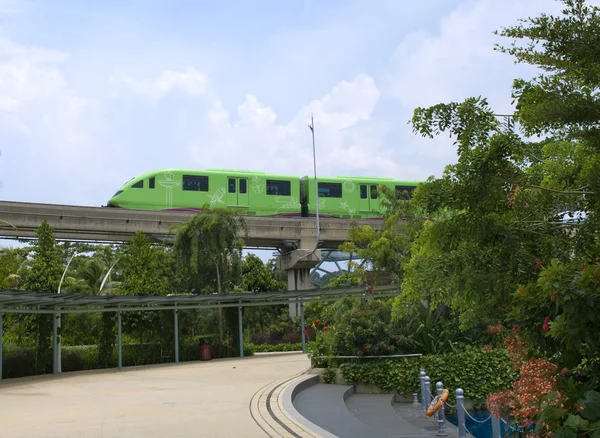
(118, 225)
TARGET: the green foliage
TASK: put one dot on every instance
(475, 370)
(269, 348)
(43, 276)
(385, 251)
(12, 267)
(363, 328)
(563, 100)
(45, 268)
(260, 277)
(329, 375)
(558, 314)
(145, 271)
(209, 250)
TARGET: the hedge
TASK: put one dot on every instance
(268, 348)
(20, 361)
(477, 371)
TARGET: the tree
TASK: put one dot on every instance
(260, 277)
(44, 275)
(143, 268)
(146, 271)
(389, 249)
(562, 103)
(257, 276)
(12, 267)
(209, 251)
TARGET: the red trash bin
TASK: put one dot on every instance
(205, 352)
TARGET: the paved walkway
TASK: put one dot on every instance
(200, 399)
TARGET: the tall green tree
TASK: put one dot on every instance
(43, 275)
(146, 270)
(209, 249)
(257, 276)
(562, 103)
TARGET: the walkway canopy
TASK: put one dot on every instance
(12, 301)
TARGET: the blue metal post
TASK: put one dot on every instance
(421, 378)
(460, 412)
(439, 388)
(119, 343)
(55, 343)
(496, 427)
(176, 337)
(241, 331)
(427, 387)
(302, 326)
(1, 345)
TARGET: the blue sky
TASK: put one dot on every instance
(94, 93)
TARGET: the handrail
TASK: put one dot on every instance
(461, 411)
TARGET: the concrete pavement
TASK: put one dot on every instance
(199, 399)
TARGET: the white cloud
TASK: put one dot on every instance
(256, 140)
(36, 100)
(459, 60)
(190, 81)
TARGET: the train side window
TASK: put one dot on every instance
(231, 184)
(243, 187)
(400, 192)
(363, 191)
(138, 185)
(373, 192)
(151, 182)
(279, 188)
(330, 190)
(196, 183)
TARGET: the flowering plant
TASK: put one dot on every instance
(546, 398)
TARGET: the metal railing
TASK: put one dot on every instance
(461, 411)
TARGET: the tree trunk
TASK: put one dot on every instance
(220, 310)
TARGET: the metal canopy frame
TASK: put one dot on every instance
(49, 303)
(56, 304)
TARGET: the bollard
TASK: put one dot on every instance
(421, 378)
(415, 398)
(495, 427)
(439, 388)
(460, 413)
(427, 394)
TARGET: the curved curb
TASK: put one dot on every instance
(266, 410)
(286, 401)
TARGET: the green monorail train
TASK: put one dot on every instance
(256, 193)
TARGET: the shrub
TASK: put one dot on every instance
(477, 371)
(17, 361)
(329, 375)
(267, 348)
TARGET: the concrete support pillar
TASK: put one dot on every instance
(298, 279)
(298, 264)
(176, 329)
(119, 339)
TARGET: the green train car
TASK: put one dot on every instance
(255, 193)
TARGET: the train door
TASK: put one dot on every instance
(373, 197)
(364, 198)
(237, 192)
(242, 192)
